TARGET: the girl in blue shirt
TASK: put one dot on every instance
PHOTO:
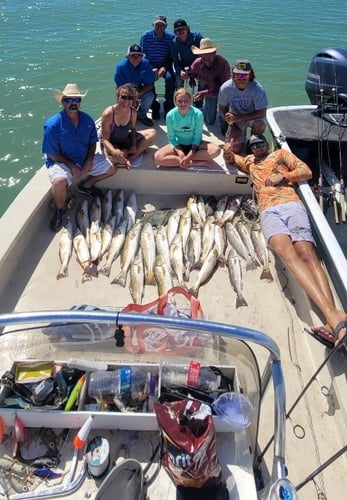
(184, 131)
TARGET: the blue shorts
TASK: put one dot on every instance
(287, 218)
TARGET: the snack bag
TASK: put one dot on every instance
(189, 443)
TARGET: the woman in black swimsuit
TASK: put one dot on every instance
(122, 143)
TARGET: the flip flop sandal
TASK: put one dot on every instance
(340, 326)
(323, 336)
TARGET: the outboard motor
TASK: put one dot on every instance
(326, 79)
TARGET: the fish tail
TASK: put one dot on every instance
(240, 301)
(266, 274)
(119, 280)
(86, 277)
(62, 273)
(105, 270)
(194, 291)
(250, 265)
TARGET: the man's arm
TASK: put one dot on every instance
(232, 158)
(292, 169)
(231, 118)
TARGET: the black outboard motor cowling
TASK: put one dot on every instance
(326, 79)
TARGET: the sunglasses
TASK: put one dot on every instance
(127, 97)
(72, 100)
(258, 145)
(242, 76)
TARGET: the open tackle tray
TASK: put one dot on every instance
(58, 394)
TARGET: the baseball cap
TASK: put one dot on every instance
(256, 138)
(180, 23)
(242, 66)
(135, 49)
(160, 19)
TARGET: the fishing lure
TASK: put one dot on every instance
(46, 473)
(19, 432)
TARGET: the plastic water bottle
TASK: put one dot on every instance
(193, 375)
(109, 382)
(123, 382)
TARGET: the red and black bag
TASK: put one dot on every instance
(189, 443)
(143, 338)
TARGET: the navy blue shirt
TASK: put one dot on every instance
(60, 136)
(181, 52)
(157, 50)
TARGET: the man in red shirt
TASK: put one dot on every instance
(211, 70)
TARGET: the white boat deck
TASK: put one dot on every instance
(29, 263)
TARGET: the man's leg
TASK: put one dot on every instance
(146, 103)
(155, 106)
(301, 260)
(102, 169)
(210, 110)
(170, 86)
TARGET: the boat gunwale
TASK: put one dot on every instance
(327, 239)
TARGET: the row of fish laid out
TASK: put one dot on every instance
(163, 245)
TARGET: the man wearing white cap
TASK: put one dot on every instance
(69, 144)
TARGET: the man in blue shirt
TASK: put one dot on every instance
(181, 49)
(69, 144)
(136, 70)
(156, 45)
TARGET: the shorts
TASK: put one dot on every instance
(58, 170)
(287, 218)
(242, 125)
(185, 148)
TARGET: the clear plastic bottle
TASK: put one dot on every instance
(193, 375)
(126, 383)
(108, 382)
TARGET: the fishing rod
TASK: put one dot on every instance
(320, 151)
(339, 135)
(321, 468)
(312, 379)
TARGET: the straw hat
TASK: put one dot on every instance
(71, 90)
(206, 47)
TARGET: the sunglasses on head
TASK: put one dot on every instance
(241, 76)
(72, 100)
(126, 97)
(258, 145)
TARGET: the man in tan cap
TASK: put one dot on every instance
(211, 70)
(69, 143)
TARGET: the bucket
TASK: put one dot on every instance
(98, 456)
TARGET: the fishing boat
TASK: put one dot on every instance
(58, 335)
(317, 133)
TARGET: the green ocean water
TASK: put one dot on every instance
(46, 44)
